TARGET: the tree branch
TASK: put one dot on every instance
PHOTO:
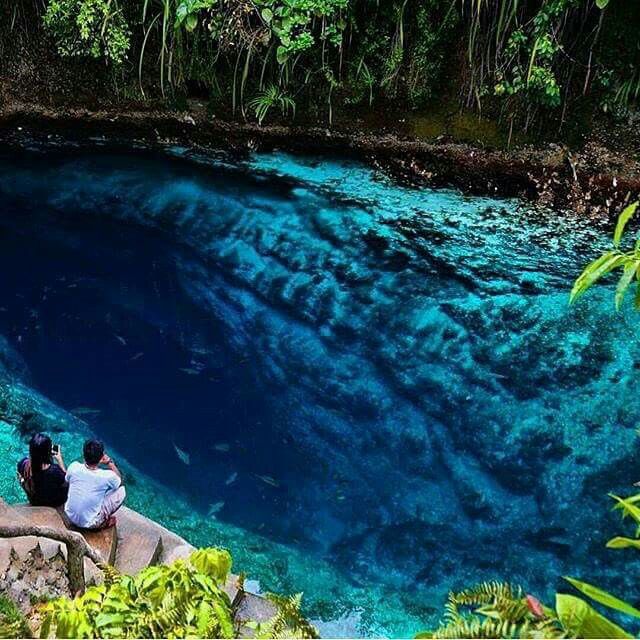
(77, 548)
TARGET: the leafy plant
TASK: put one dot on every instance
(288, 623)
(272, 97)
(500, 610)
(187, 12)
(95, 28)
(12, 622)
(493, 610)
(628, 261)
(181, 600)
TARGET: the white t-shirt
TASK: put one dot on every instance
(87, 489)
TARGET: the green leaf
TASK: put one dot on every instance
(109, 620)
(620, 542)
(623, 219)
(627, 506)
(581, 620)
(191, 22)
(630, 269)
(601, 4)
(593, 272)
(604, 597)
(215, 563)
(267, 15)
(224, 620)
(281, 55)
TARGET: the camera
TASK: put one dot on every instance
(55, 449)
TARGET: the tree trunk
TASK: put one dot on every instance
(77, 548)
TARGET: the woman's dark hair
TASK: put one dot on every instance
(93, 451)
(39, 452)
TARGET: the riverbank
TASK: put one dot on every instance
(592, 180)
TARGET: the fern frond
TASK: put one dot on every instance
(506, 609)
(476, 627)
(111, 574)
(486, 593)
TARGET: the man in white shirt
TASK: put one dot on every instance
(94, 494)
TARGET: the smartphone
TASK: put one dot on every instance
(55, 449)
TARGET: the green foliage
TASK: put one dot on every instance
(581, 620)
(95, 28)
(187, 12)
(12, 622)
(435, 25)
(629, 508)
(184, 599)
(493, 610)
(603, 597)
(500, 610)
(530, 57)
(288, 623)
(628, 261)
(272, 97)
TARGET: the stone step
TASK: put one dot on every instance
(104, 541)
(139, 542)
(42, 516)
(252, 608)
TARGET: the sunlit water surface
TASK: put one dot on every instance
(370, 393)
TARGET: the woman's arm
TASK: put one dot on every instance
(58, 458)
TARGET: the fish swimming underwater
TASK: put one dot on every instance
(215, 508)
(183, 455)
(120, 339)
(232, 478)
(190, 371)
(85, 411)
(222, 446)
(267, 480)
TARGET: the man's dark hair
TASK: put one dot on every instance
(93, 451)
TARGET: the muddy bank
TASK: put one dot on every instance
(593, 180)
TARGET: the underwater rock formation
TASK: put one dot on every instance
(388, 378)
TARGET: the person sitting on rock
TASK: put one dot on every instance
(94, 494)
(42, 479)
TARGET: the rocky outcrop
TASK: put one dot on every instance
(594, 180)
(36, 568)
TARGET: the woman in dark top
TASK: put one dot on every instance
(43, 480)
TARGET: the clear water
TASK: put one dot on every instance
(383, 386)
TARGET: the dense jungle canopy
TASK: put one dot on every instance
(525, 61)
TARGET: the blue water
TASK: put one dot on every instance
(386, 381)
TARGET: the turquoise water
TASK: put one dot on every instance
(369, 393)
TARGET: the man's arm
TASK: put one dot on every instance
(111, 465)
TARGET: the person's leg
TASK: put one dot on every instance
(112, 502)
